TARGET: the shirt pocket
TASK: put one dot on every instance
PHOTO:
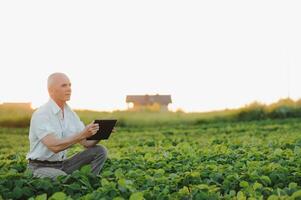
(58, 131)
(71, 129)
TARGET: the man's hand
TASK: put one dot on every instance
(90, 129)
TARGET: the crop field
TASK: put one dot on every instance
(218, 160)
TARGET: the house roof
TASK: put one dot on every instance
(26, 105)
(149, 99)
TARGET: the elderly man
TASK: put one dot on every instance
(54, 127)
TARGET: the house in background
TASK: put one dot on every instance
(148, 102)
(21, 105)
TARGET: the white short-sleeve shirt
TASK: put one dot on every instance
(49, 119)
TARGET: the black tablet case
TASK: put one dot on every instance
(105, 129)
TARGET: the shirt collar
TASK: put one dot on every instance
(54, 107)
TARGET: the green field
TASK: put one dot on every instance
(218, 160)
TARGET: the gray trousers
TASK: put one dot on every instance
(96, 156)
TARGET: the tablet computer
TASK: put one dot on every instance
(105, 129)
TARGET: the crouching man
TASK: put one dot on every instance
(54, 127)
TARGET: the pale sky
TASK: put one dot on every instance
(208, 55)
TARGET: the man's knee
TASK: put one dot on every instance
(101, 150)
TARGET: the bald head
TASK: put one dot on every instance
(59, 86)
(55, 78)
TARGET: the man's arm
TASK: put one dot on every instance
(89, 143)
(56, 144)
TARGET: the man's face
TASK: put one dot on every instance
(61, 88)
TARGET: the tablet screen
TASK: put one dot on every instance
(105, 129)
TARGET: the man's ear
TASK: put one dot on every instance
(50, 90)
